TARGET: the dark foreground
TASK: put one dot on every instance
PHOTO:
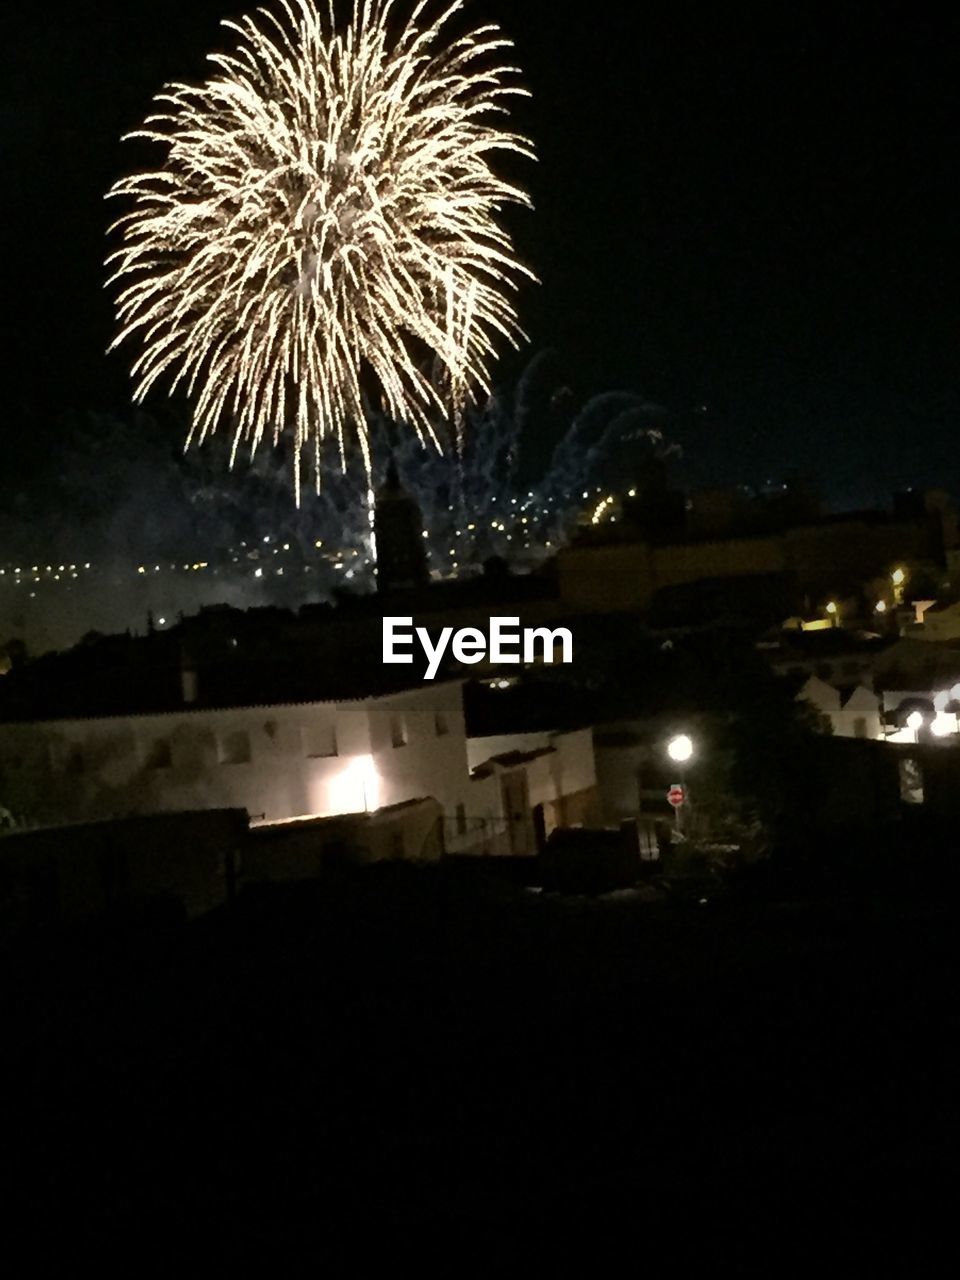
(413, 1052)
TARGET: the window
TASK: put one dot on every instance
(319, 741)
(461, 819)
(159, 755)
(440, 724)
(398, 731)
(235, 747)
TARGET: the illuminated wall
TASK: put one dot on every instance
(627, 576)
(276, 762)
(820, 558)
(731, 558)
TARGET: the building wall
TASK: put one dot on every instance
(731, 558)
(562, 780)
(567, 768)
(819, 558)
(940, 624)
(859, 717)
(627, 575)
(597, 579)
(430, 763)
(260, 759)
(304, 850)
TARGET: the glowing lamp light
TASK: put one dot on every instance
(915, 721)
(680, 748)
(881, 606)
(831, 607)
(941, 726)
(361, 775)
(897, 577)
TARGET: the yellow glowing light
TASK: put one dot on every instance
(358, 786)
(325, 200)
(831, 607)
(915, 721)
(899, 577)
(881, 606)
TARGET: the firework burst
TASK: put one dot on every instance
(326, 224)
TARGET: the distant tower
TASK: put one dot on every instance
(398, 530)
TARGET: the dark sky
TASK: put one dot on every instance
(748, 214)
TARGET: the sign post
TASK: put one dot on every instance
(677, 797)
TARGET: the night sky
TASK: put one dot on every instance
(748, 215)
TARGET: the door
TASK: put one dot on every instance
(516, 811)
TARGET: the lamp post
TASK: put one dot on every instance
(680, 750)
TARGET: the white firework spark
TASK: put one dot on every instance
(327, 215)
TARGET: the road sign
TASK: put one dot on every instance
(676, 795)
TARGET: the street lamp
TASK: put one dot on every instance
(832, 610)
(680, 750)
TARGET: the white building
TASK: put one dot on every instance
(855, 714)
(301, 760)
(535, 781)
(280, 761)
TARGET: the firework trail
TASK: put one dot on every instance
(324, 226)
(474, 501)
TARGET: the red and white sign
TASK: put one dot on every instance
(676, 795)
